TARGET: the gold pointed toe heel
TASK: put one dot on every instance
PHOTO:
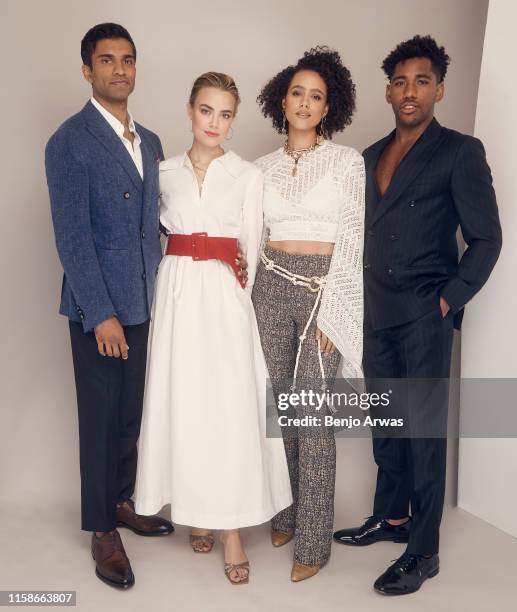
(279, 538)
(302, 572)
(230, 567)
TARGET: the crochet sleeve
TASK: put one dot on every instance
(341, 313)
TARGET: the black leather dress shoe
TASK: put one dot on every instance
(407, 574)
(374, 530)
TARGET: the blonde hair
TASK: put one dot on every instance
(218, 80)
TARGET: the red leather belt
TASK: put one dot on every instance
(201, 247)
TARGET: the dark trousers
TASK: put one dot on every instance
(412, 469)
(109, 400)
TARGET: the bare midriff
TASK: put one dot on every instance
(302, 247)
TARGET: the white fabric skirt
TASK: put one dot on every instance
(203, 446)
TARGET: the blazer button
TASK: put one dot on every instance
(390, 272)
(143, 276)
(367, 266)
(143, 234)
(126, 195)
(412, 204)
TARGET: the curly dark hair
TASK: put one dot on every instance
(418, 46)
(340, 89)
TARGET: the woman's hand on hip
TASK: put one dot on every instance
(242, 262)
(326, 345)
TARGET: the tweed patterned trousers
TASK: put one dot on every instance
(283, 310)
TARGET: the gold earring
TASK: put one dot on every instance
(322, 127)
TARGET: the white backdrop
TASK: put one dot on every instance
(487, 468)
(176, 41)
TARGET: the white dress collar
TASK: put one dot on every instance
(230, 161)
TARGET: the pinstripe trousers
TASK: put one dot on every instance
(283, 310)
(412, 470)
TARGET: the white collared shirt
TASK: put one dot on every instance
(229, 205)
(133, 149)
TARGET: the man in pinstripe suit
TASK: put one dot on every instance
(423, 181)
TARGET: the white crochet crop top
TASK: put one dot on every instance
(306, 206)
(324, 201)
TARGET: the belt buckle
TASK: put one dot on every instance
(198, 242)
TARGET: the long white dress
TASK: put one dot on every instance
(203, 445)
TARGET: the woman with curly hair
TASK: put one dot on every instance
(308, 288)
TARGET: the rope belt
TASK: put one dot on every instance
(315, 284)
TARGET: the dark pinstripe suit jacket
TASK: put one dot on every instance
(411, 252)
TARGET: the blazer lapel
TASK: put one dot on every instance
(150, 166)
(101, 129)
(373, 196)
(409, 168)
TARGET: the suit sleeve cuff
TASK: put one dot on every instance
(454, 294)
(89, 323)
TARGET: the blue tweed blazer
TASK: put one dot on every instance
(106, 220)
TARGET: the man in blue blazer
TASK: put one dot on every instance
(422, 182)
(102, 174)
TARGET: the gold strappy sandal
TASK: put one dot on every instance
(229, 567)
(201, 540)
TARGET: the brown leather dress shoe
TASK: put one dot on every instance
(142, 525)
(112, 564)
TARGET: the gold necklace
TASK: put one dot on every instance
(199, 167)
(297, 154)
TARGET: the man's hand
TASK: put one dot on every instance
(326, 345)
(243, 264)
(111, 340)
(444, 307)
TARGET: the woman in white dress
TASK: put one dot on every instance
(203, 446)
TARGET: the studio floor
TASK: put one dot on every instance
(43, 550)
